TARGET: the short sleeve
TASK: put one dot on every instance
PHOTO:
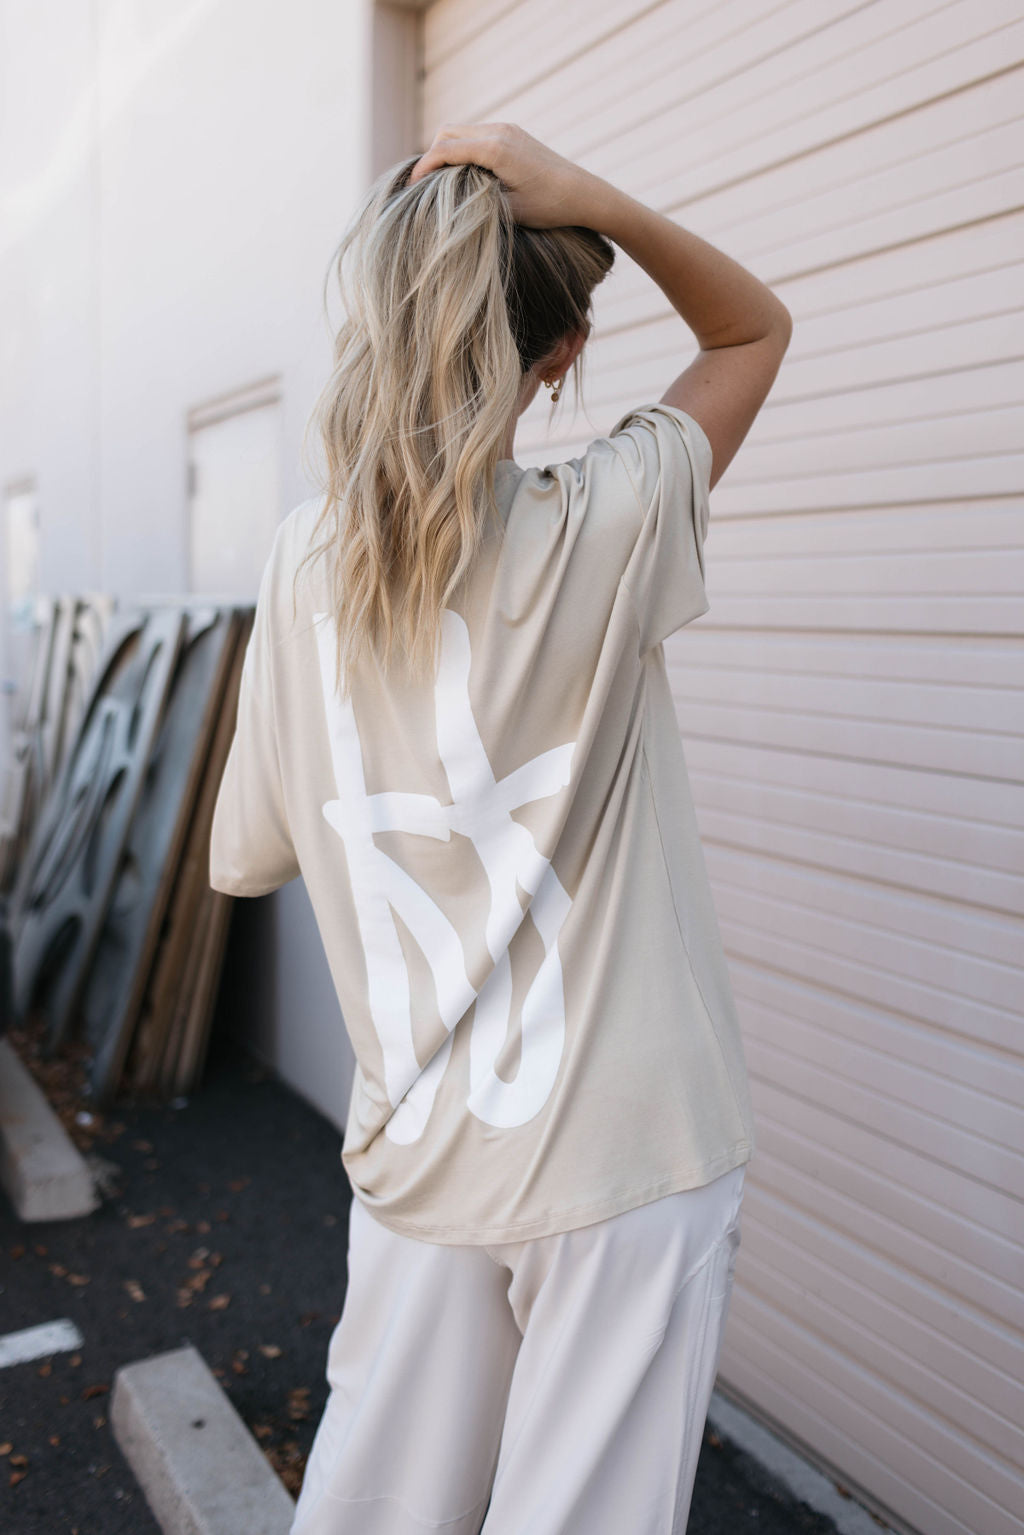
(251, 850)
(668, 459)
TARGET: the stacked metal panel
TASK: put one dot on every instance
(116, 939)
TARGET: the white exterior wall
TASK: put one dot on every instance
(851, 704)
(173, 182)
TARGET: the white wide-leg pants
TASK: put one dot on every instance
(555, 1386)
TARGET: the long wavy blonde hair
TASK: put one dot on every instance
(448, 302)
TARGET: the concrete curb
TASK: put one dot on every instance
(804, 1481)
(201, 1470)
(41, 1168)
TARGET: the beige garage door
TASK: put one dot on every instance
(852, 703)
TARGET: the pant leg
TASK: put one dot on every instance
(622, 1325)
(419, 1366)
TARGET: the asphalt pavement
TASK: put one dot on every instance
(224, 1225)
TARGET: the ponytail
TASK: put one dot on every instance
(447, 305)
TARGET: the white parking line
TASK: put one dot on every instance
(34, 1342)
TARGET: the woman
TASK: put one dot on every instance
(455, 723)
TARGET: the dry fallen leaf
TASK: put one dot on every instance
(78, 1279)
(289, 1462)
(96, 1390)
(55, 1439)
(6, 1447)
(59, 1269)
(270, 1350)
(45, 1369)
(218, 1302)
(134, 1289)
(19, 1460)
(135, 1221)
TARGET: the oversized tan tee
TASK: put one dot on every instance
(505, 866)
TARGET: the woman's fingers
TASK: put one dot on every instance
(543, 187)
(445, 149)
(454, 144)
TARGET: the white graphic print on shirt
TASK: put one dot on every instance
(480, 810)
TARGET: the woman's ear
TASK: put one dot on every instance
(561, 357)
(572, 346)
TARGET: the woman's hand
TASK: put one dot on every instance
(545, 190)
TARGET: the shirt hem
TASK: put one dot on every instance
(575, 1216)
(243, 887)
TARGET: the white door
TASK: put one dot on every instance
(234, 501)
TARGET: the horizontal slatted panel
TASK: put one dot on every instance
(852, 705)
(909, 846)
